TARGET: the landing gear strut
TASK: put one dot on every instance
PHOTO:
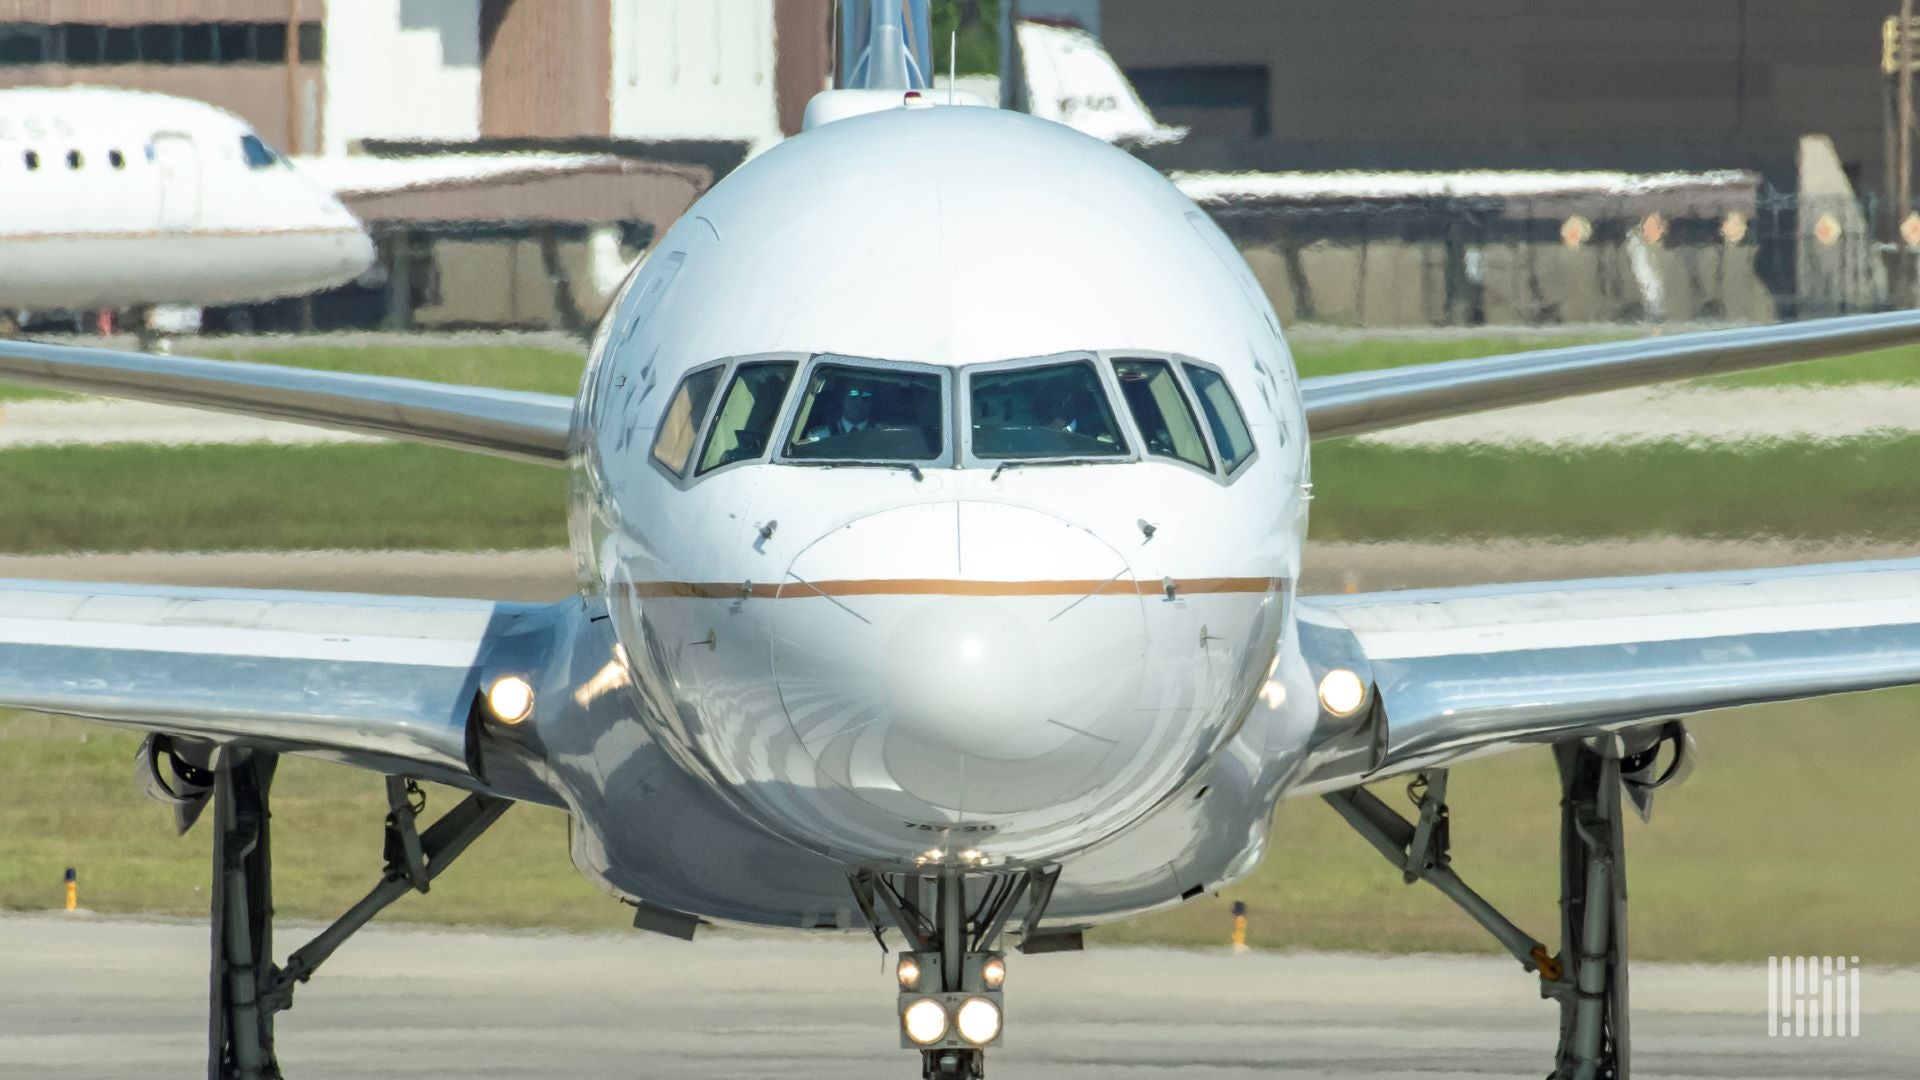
(1588, 976)
(247, 987)
(951, 1002)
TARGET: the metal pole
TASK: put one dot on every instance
(293, 77)
(1903, 188)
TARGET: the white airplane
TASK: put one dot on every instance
(940, 488)
(121, 198)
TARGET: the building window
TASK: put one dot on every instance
(159, 43)
(84, 44)
(270, 43)
(1212, 99)
(25, 43)
(234, 42)
(197, 43)
(312, 42)
(121, 46)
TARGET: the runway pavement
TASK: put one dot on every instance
(84, 997)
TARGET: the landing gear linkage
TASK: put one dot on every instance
(247, 987)
(1588, 977)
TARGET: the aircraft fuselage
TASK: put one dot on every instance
(946, 522)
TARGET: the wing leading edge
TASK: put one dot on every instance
(386, 683)
(502, 423)
(1460, 673)
(1364, 401)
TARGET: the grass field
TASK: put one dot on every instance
(393, 496)
(1783, 842)
(222, 498)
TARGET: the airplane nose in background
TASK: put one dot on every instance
(962, 659)
(358, 253)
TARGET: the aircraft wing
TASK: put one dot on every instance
(1364, 401)
(386, 683)
(502, 423)
(1460, 673)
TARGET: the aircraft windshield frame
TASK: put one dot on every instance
(1107, 401)
(956, 434)
(851, 374)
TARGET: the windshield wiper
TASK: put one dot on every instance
(1030, 463)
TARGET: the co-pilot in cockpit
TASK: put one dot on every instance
(855, 413)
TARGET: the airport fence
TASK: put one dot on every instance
(1749, 257)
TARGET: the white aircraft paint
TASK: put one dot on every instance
(119, 198)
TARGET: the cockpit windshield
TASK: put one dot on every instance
(868, 414)
(831, 409)
(1053, 411)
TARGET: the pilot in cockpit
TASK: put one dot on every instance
(856, 414)
(1074, 411)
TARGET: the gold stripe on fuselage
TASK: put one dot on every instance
(793, 590)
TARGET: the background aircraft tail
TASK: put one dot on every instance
(885, 44)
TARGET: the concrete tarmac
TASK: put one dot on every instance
(84, 997)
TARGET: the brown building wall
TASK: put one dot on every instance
(803, 56)
(128, 12)
(1635, 84)
(546, 67)
(256, 92)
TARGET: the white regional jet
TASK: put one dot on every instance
(962, 613)
(120, 198)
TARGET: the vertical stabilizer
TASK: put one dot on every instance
(884, 44)
(1063, 73)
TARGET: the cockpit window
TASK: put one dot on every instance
(1224, 418)
(873, 414)
(747, 414)
(258, 154)
(1055, 411)
(1161, 409)
(681, 426)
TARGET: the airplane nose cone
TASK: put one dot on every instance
(956, 661)
(964, 673)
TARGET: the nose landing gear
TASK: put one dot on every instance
(951, 1004)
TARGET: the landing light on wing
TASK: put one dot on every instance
(510, 699)
(1342, 693)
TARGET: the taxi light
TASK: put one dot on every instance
(510, 699)
(1342, 693)
(994, 973)
(909, 973)
(979, 1021)
(925, 1021)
